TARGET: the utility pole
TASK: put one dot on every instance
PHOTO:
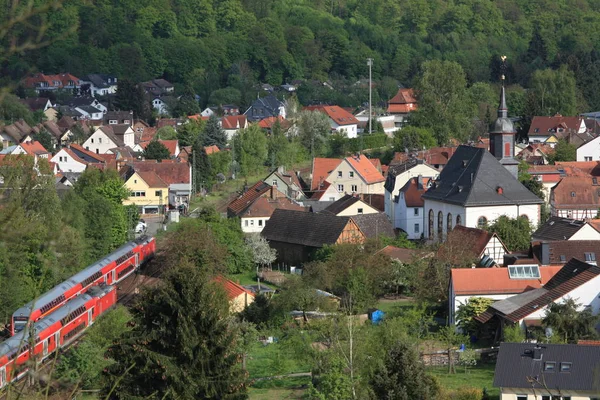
(370, 64)
(193, 171)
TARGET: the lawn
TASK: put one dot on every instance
(477, 377)
(287, 388)
(273, 359)
(248, 278)
(394, 307)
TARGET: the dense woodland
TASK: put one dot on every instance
(229, 45)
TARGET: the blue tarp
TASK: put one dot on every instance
(377, 316)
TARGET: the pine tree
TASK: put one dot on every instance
(156, 151)
(131, 97)
(214, 134)
(182, 345)
(202, 170)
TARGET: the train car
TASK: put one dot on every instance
(111, 270)
(55, 331)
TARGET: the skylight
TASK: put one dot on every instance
(523, 272)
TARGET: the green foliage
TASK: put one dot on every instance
(535, 186)
(468, 358)
(563, 151)
(214, 135)
(445, 107)
(334, 383)
(11, 109)
(250, 150)
(513, 333)
(570, 324)
(228, 95)
(189, 133)
(156, 151)
(413, 138)
(469, 310)
(131, 97)
(182, 345)
(167, 133)
(203, 172)
(554, 92)
(514, 232)
(220, 162)
(45, 139)
(402, 376)
(313, 130)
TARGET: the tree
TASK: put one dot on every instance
(451, 339)
(444, 104)
(468, 311)
(262, 253)
(402, 376)
(227, 95)
(182, 345)
(45, 139)
(279, 147)
(413, 138)
(554, 92)
(188, 133)
(132, 97)
(166, 133)
(563, 151)
(570, 324)
(203, 174)
(250, 146)
(333, 383)
(313, 130)
(214, 135)
(514, 232)
(513, 333)
(156, 151)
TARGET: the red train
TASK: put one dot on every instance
(112, 269)
(56, 330)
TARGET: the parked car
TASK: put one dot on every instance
(141, 226)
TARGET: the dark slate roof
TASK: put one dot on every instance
(518, 361)
(473, 177)
(263, 107)
(79, 101)
(317, 206)
(100, 80)
(340, 205)
(557, 228)
(374, 225)
(574, 274)
(307, 229)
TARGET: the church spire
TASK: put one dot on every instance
(503, 109)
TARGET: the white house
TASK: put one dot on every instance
(341, 120)
(207, 112)
(161, 107)
(89, 112)
(349, 206)
(68, 161)
(557, 228)
(577, 280)
(397, 177)
(286, 182)
(355, 174)
(408, 207)
(550, 129)
(589, 151)
(473, 190)
(231, 124)
(493, 283)
(100, 84)
(108, 137)
(326, 192)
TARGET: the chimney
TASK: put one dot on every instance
(545, 253)
(273, 193)
(420, 181)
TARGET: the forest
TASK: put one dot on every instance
(223, 48)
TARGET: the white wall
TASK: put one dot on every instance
(331, 194)
(349, 130)
(591, 150)
(420, 169)
(405, 218)
(511, 394)
(574, 213)
(495, 250)
(254, 224)
(436, 206)
(99, 143)
(102, 91)
(354, 208)
(587, 232)
(66, 163)
(347, 180)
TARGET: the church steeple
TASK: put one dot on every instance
(502, 132)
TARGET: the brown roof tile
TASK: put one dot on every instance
(237, 206)
(321, 168)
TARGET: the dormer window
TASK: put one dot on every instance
(590, 256)
(549, 366)
(565, 366)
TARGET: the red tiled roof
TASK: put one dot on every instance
(211, 149)
(546, 126)
(74, 155)
(432, 156)
(34, 148)
(240, 204)
(376, 163)
(171, 145)
(267, 123)
(172, 122)
(197, 117)
(62, 79)
(232, 289)
(317, 194)
(412, 192)
(234, 122)
(170, 172)
(152, 179)
(585, 167)
(365, 169)
(321, 169)
(576, 192)
(264, 206)
(488, 281)
(336, 113)
(403, 102)
(588, 342)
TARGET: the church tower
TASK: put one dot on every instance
(502, 136)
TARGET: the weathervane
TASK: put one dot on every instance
(503, 68)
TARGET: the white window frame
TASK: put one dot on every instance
(340, 188)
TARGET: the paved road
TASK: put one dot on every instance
(154, 224)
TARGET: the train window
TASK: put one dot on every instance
(72, 315)
(53, 304)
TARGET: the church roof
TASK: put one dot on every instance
(473, 177)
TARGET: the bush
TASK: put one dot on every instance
(464, 393)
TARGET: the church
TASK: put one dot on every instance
(477, 186)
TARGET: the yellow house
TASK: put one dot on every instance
(357, 174)
(147, 191)
(238, 296)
